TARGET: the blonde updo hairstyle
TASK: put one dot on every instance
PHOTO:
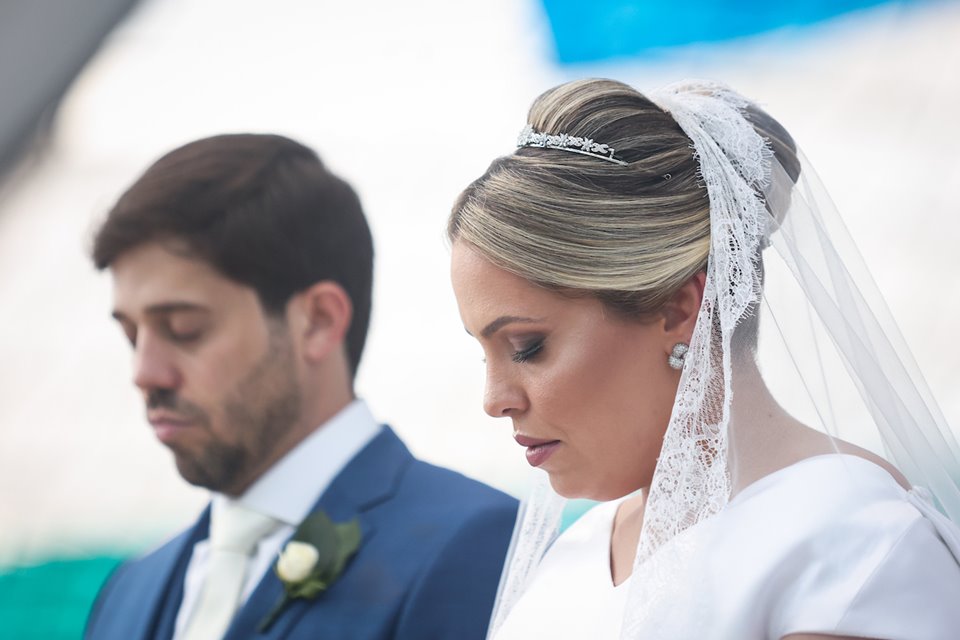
(629, 235)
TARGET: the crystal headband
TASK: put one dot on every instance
(563, 142)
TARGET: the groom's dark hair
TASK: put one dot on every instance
(261, 209)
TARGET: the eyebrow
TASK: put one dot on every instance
(502, 321)
(165, 308)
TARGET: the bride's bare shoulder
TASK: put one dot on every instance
(853, 450)
(806, 442)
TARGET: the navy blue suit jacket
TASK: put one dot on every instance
(429, 562)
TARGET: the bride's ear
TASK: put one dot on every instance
(680, 312)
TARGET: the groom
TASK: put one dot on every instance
(242, 274)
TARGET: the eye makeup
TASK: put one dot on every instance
(528, 352)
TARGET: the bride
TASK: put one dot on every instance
(658, 289)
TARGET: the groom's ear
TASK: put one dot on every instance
(679, 314)
(319, 318)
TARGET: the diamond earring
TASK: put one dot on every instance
(677, 355)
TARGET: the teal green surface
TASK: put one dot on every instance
(50, 600)
(573, 510)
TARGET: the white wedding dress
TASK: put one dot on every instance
(831, 545)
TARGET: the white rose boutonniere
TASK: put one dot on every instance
(297, 561)
(314, 558)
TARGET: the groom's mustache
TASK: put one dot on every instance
(168, 399)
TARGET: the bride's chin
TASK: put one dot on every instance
(579, 489)
(563, 487)
(574, 490)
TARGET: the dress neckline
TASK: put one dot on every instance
(755, 487)
(614, 507)
(761, 483)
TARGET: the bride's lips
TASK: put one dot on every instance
(537, 450)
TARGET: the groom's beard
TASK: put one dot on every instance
(257, 413)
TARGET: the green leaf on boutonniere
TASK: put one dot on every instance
(314, 558)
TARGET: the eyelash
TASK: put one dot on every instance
(185, 338)
(529, 353)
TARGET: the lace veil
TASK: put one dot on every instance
(829, 353)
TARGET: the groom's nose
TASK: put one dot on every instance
(153, 364)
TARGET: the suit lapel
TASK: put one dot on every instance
(160, 586)
(367, 480)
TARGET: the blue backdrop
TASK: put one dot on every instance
(591, 30)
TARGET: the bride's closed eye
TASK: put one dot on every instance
(528, 352)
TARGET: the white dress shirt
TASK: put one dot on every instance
(286, 492)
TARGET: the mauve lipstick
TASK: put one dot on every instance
(537, 450)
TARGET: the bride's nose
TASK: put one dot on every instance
(503, 397)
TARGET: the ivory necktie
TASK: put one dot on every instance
(234, 534)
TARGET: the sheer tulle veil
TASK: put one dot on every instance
(825, 348)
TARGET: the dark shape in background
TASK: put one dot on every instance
(593, 30)
(44, 44)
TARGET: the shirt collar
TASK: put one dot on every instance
(290, 488)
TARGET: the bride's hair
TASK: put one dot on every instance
(629, 235)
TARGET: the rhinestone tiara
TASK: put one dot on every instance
(531, 138)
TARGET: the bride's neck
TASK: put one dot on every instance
(625, 536)
(762, 436)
